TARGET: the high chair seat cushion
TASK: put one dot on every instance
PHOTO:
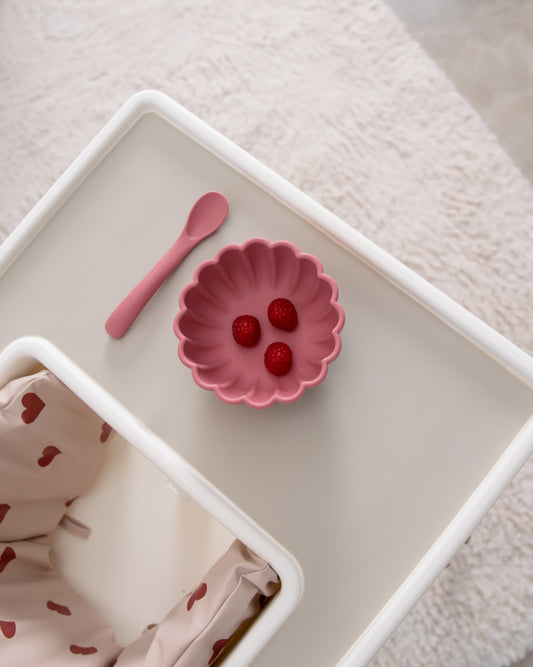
(43, 622)
(51, 445)
(230, 593)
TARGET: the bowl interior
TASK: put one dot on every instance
(243, 281)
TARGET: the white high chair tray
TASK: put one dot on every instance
(371, 480)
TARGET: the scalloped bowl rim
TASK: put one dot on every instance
(218, 388)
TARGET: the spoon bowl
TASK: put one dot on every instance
(206, 216)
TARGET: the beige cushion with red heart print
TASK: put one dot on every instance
(51, 445)
(231, 592)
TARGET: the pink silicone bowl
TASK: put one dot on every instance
(243, 280)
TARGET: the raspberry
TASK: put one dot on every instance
(278, 358)
(282, 314)
(246, 330)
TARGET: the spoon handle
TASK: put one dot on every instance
(127, 311)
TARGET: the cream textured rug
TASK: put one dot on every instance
(337, 98)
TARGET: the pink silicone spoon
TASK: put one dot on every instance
(205, 217)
